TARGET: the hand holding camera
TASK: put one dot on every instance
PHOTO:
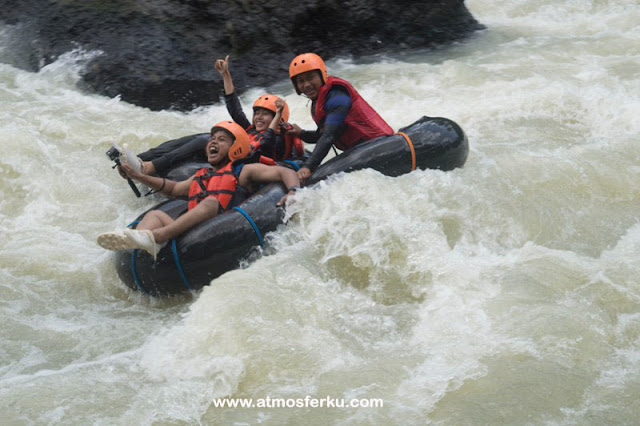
(114, 153)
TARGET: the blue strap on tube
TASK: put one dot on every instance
(134, 272)
(183, 276)
(252, 223)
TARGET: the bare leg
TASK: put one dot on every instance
(139, 238)
(155, 219)
(164, 227)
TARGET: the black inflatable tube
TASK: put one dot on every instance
(204, 252)
(439, 143)
(220, 244)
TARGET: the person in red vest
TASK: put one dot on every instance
(343, 117)
(210, 190)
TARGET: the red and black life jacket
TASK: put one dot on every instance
(219, 183)
(294, 147)
(254, 137)
(362, 122)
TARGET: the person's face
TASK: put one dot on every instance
(262, 119)
(309, 83)
(218, 146)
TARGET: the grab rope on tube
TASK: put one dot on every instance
(413, 151)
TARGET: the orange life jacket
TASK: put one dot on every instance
(220, 184)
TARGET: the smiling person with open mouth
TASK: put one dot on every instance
(273, 143)
(211, 190)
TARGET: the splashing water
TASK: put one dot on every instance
(504, 292)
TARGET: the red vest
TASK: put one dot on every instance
(254, 138)
(294, 147)
(219, 183)
(362, 123)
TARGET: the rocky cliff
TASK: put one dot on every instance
(159, 53)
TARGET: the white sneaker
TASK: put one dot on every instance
(115, 241)
(127, 156)
(143, 239)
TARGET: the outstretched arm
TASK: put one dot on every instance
(222, 66)
(337, 106)
(231, 99)
(306, 135)
(158, 184)
(254, 174)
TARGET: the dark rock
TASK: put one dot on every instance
(159, 53)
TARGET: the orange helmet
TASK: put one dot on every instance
(240, 147)
(268, 101)
(307, 62)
